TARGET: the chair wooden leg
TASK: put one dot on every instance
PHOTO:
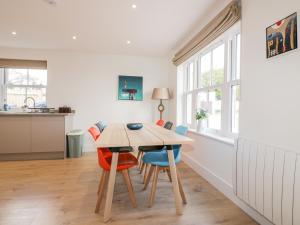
(143, 167)
(126, 176)
(101, 188)
(153, 189)
(139, 156)
(169, 174)
(148, 177)
(181, 189)
(141, 160)
(146, 172)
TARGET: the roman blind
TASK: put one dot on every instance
(23, 64)
(222, 22)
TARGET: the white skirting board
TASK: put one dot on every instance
(223, 187)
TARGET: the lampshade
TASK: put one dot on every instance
(161, 93)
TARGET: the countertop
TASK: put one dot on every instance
(7, 113)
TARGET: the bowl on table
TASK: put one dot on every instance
(134, 126)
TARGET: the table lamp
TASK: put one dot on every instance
(161, 94)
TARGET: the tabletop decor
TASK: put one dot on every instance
(201, 116)
(134, 126)
(282, 36)
(130, 88)
(161, 94)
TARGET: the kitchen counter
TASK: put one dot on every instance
(8, 113)
(28, 136)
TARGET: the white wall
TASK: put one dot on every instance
(270, 106)
(88, 83)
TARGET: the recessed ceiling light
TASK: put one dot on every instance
(133, 6)
(14, 33)
(128, 42)
(74, 37)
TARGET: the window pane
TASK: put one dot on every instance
(16, 76)
(39, 95)
(15, 96)
(191, 76)
(202, 103)
(235, 90)
(205, 70)
(215, 102)
(37, 77)
(218, 65)
(238, 56)
(189, 109)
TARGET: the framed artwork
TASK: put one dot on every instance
(282, 36)
(130, 88)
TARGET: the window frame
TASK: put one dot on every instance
(229, 39)
(5, 85)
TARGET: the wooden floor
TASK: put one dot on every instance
(63, 192)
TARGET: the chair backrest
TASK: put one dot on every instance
(182, 130)
(94, 132)
(160, 122)
(168, 125)
(101, 125)
(102, 159)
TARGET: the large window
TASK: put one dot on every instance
(211, 82)
(18, 84)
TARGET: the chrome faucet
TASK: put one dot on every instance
(25, 102)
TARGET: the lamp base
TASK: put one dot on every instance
(161, 108)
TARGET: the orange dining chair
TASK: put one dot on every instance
(125, 161)
(160, 122)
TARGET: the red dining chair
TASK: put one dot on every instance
(160, 122)
(125, 162)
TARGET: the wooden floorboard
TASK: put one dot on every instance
(63, 192)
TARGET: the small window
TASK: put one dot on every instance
(218, 65)
(191, 76)
(238, 57)
(189, 109)
(205, 70)
(215, 103)
(22, 83)
(235, 93)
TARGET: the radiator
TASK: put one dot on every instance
(268, 180)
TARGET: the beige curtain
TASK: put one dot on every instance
(222, 22)
(23, 64)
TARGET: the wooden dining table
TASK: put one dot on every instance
(117, 135)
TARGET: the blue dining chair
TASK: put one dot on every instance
(101, 125)
(159, 161)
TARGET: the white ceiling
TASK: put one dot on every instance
(154, 28)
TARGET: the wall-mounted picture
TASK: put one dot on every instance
(130, 88)
(282, 36)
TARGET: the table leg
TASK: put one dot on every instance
(111, 185)
(174, 180)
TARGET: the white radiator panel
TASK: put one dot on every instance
(260, 168)
(288, 188)
(277, 185)
(268, 183)
(296, 209)
(268, 179)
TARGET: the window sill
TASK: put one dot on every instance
(225, 140)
